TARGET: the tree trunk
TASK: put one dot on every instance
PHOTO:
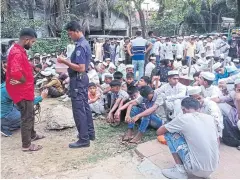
(238, 13)
(30, 9)
(210, 18)
(142, 21)
(161, 8)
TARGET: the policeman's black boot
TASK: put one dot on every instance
(80, 144)
(91, 137)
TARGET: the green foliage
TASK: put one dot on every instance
(12, 25)
(50, 45)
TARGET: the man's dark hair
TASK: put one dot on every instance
(28, 32)
(38, 66)
(131, 90)
(11, 42)
(129, 75)
(145, 91)
(138, 33)
(164, 62)
(150, 33)
(208, 81)
(92, 84)
(146, 79)
(118, 75)
(73, 26)
(190, 103)
(115, 83)
(196, 74)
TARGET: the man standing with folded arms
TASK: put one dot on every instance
(20, 86)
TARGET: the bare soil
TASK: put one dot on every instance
(107, 157)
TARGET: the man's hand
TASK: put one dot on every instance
(135, 118)
(15, 82)
(110, 117)
(44, 93)
(61, 59)
(117, 114)
(131, 55)
(128, 119)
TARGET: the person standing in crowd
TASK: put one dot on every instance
(20, 87)
(168, 49)
(112, 51)
(106, 49)
(210, 47)
(190, 50)
(98, 50)
(128, 58)
(138, 47)
(79, 82)
(180, 47)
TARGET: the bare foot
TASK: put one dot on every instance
(137, 139)
(128, 136)
(32, 147)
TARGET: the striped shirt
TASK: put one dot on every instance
(138, 48)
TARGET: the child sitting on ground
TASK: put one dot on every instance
(130, 80)
(95, 100)
(118, 97)
(144, 81)
(119, 76)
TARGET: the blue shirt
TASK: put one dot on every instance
(138, 48)
(7, 103)
(82, 53)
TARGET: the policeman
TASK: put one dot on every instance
(79, 81)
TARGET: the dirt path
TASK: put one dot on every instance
(106, 157)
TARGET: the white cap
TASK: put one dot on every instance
(210, 37)
(105, 64)
(36, 54)
(129, 66)
(208, 75)
(224, 37)
(198, 56)
(46, 73)
(48, 55)
(112, 66)
(216, 66)
(237, 81)
(95, 60)
(93, 56)
(194, 90)
(201, 36)
(120, 59)
(180, 38)
(108, 75)
(153, 57)
(170, 73)
(107, 59)
(91, 64)
(48, 62)
(228, 59)
(221, 56)
(205, 41)
(200, 62)
(179, 57)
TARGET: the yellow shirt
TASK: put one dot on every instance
(191, 50)
(55, 83)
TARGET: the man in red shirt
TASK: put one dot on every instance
(20, 86)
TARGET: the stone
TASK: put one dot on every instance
(60, 117)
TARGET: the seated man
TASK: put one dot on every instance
(92, 74)
(130, 80)
(207, 106)
(150, 66)
(54, 86)
(206, 80)
(130, 68)
(119, 76)
(95, 100)
(193, 141)
(121, 67)
(148, 107)
(231, 132)
(173, 92)
(118, 97)
(133, 94)
(144, 81)
(10, 115)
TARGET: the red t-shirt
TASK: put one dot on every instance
(18, 66)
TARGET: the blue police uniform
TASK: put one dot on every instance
(79, 92)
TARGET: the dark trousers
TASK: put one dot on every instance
(54, 93)
(26, 109)
(81, 110)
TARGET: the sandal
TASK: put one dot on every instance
(32, 147)
(127, 138)
(115, 124)
(136, 142)
(38, 137)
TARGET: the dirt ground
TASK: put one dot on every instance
(107, 157)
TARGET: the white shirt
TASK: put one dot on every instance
(168, 51)
(70, 49)
(156, 48)
(149, 68)
(173, 93)
(177, 64)
(93, 76)
(211, 92)
(211, 108)
(200, 133)
(180, 49)
(210, 48)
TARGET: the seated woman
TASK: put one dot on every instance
(95, 99)
(10, 115)
(54, 86)
(149, 108)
